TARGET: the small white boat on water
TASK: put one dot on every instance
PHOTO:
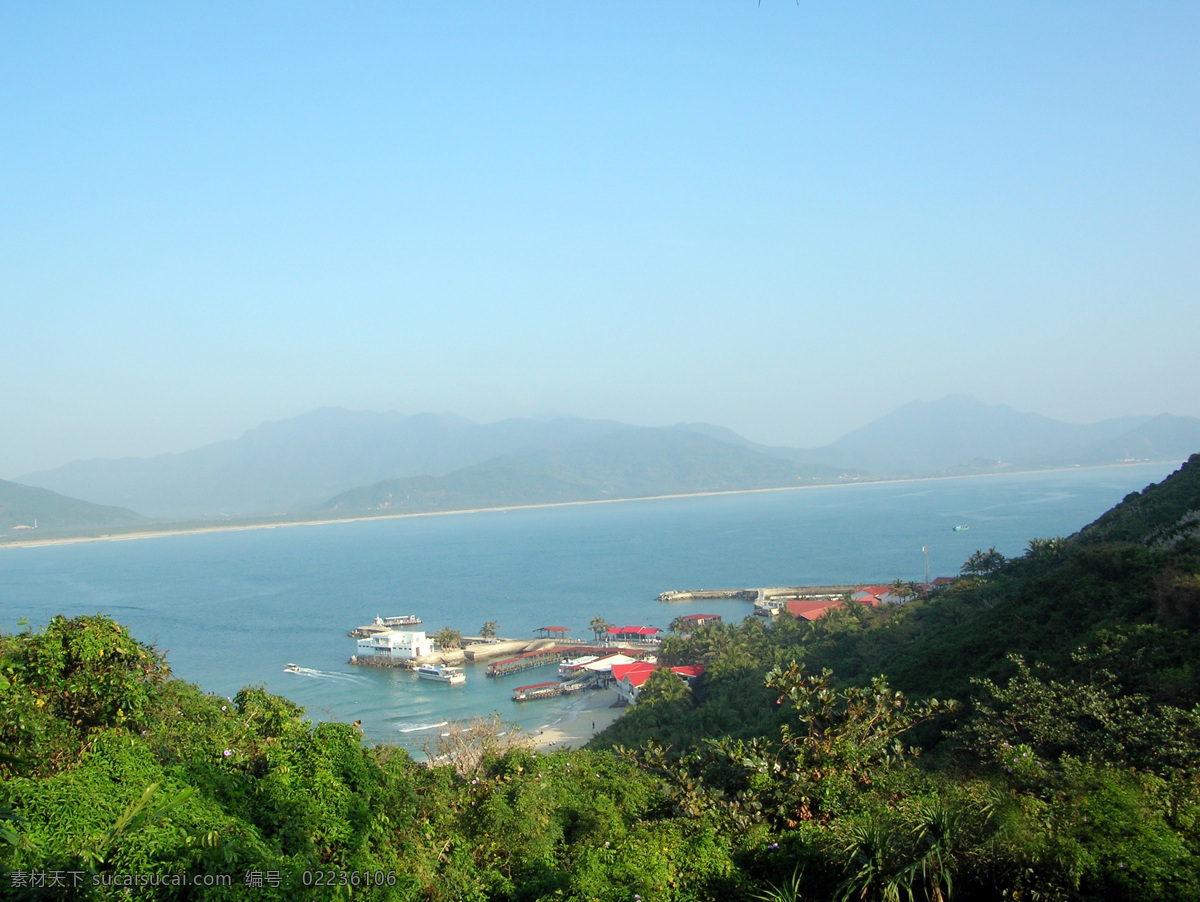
(441, 674)
(292, 668)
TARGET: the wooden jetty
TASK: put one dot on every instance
(546, 656)
(538, 691)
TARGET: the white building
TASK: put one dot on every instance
(396, 644)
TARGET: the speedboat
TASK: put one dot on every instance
(292, 668)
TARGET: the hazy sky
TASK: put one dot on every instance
(786, 219)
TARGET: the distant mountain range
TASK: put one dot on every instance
(335, 462)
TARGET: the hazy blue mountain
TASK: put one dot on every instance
(300, 462)
(50, 513)
(1163, 437)
(633, 462)
(959, 433)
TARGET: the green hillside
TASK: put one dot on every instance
(53, 514)
(629, 463)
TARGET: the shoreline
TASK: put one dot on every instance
(579, 722)
(244, 527)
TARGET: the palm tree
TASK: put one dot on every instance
(983, 563)
(488, 630)
(599, 626)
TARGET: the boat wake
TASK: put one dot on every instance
(314, 674)
(418, 727)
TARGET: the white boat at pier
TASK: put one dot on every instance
(439, 673)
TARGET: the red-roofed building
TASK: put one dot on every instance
(701, 619)
(634, 633)
(812, 610)
(619, 671)
(631, 677)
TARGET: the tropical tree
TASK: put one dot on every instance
(983, 563)
(599, 626)
(1046, 549)
(488, 630)
(447, 638)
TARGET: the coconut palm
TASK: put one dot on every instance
(599, 626)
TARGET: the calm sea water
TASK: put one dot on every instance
(230, 609)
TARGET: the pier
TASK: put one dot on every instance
(539, 691)
(756, 595)
(546, 656)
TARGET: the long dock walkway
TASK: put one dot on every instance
(555, 689)
(546, 656)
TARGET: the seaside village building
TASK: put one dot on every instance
(629, 678)
(396, 644)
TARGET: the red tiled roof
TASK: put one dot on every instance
(619, 670)
(691, 670)
(633, 630)
(800, 608)
(638, 677)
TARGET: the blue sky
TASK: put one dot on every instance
(785, 219)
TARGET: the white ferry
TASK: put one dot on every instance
(441, 674)
(398, 620)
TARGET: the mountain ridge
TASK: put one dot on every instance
(304, 463)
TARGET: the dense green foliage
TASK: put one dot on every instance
(1068, 767)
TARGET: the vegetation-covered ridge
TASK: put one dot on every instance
(1037, 736)
(22, 507)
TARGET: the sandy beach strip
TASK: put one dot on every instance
(360, 518)
(580, 721)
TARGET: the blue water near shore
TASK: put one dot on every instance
(231, 608)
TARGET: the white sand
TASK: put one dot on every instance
(584, 718)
